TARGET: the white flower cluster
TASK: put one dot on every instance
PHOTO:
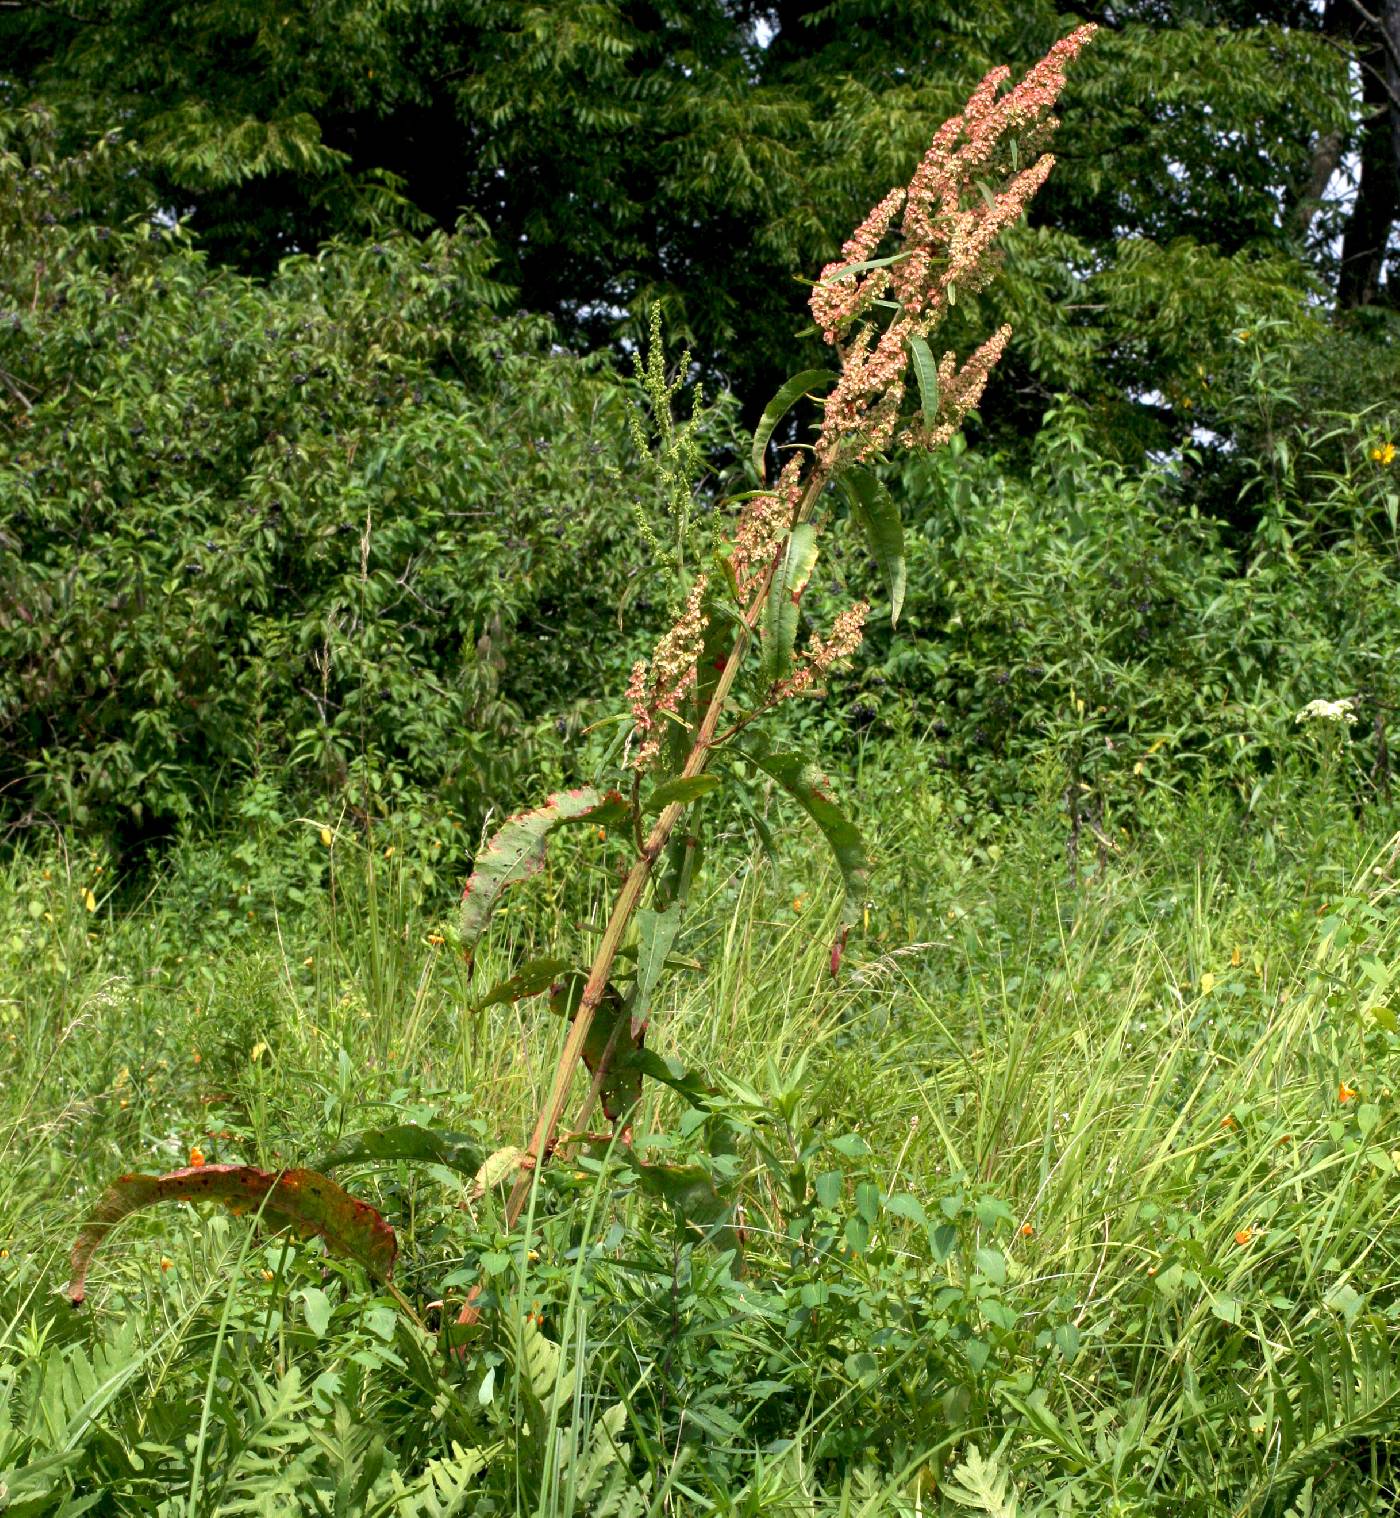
(1329, 711)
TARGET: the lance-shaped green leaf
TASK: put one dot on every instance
(833, 281)
(926, 373)
(776, 409)
(533, 977)
(784, 594)
(303, 1200)
(685, 789)
(518, 851)
(875, 513)
(656, 933)
(811, 789)
(405, 1141)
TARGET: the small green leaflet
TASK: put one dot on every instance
(302, 1200)
(778, 408)
(873, 510)
(780, 616)
(926, 372)
(833, 280)
(811, 789)
(656, 932)
(518, 850)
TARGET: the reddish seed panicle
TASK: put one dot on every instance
(952, 220)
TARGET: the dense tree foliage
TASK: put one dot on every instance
(285, 490)
(332, 521)
(621, 150)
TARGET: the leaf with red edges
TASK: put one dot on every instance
(303, 1200)
(517, 850)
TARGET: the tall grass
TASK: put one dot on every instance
(1058, 1201)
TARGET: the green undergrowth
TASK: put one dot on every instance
(1075, 1192)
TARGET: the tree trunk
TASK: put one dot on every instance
(1377, 34)
(1327, 155)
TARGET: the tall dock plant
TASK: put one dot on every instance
(730, 657)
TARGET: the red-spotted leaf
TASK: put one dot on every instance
(518, 851)
(533, 977)
(303, 1200)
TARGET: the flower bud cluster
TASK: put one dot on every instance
(763, 524)
(657, 686)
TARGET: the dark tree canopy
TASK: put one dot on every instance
(708, 150)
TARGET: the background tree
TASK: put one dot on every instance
(620, 151)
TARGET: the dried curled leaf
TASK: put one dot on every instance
(303, 1200)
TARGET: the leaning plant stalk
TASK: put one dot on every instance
(629, 898)
(948, 244)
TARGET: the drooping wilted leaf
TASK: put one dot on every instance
(690, 1192)
(404, 1141)
(518, 850)
(533, 977)
(685, 1083)
(811, 789)
(875, 513)
(303, 1200)
(496, 1169)
(685, 789)
(776, 409)
(611, 1045)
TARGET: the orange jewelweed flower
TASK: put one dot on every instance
(166, 1263)
(1345, 1092)
(1244, 1236)
(1228, 1121)
(196, 1156)
(1027, 1230)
